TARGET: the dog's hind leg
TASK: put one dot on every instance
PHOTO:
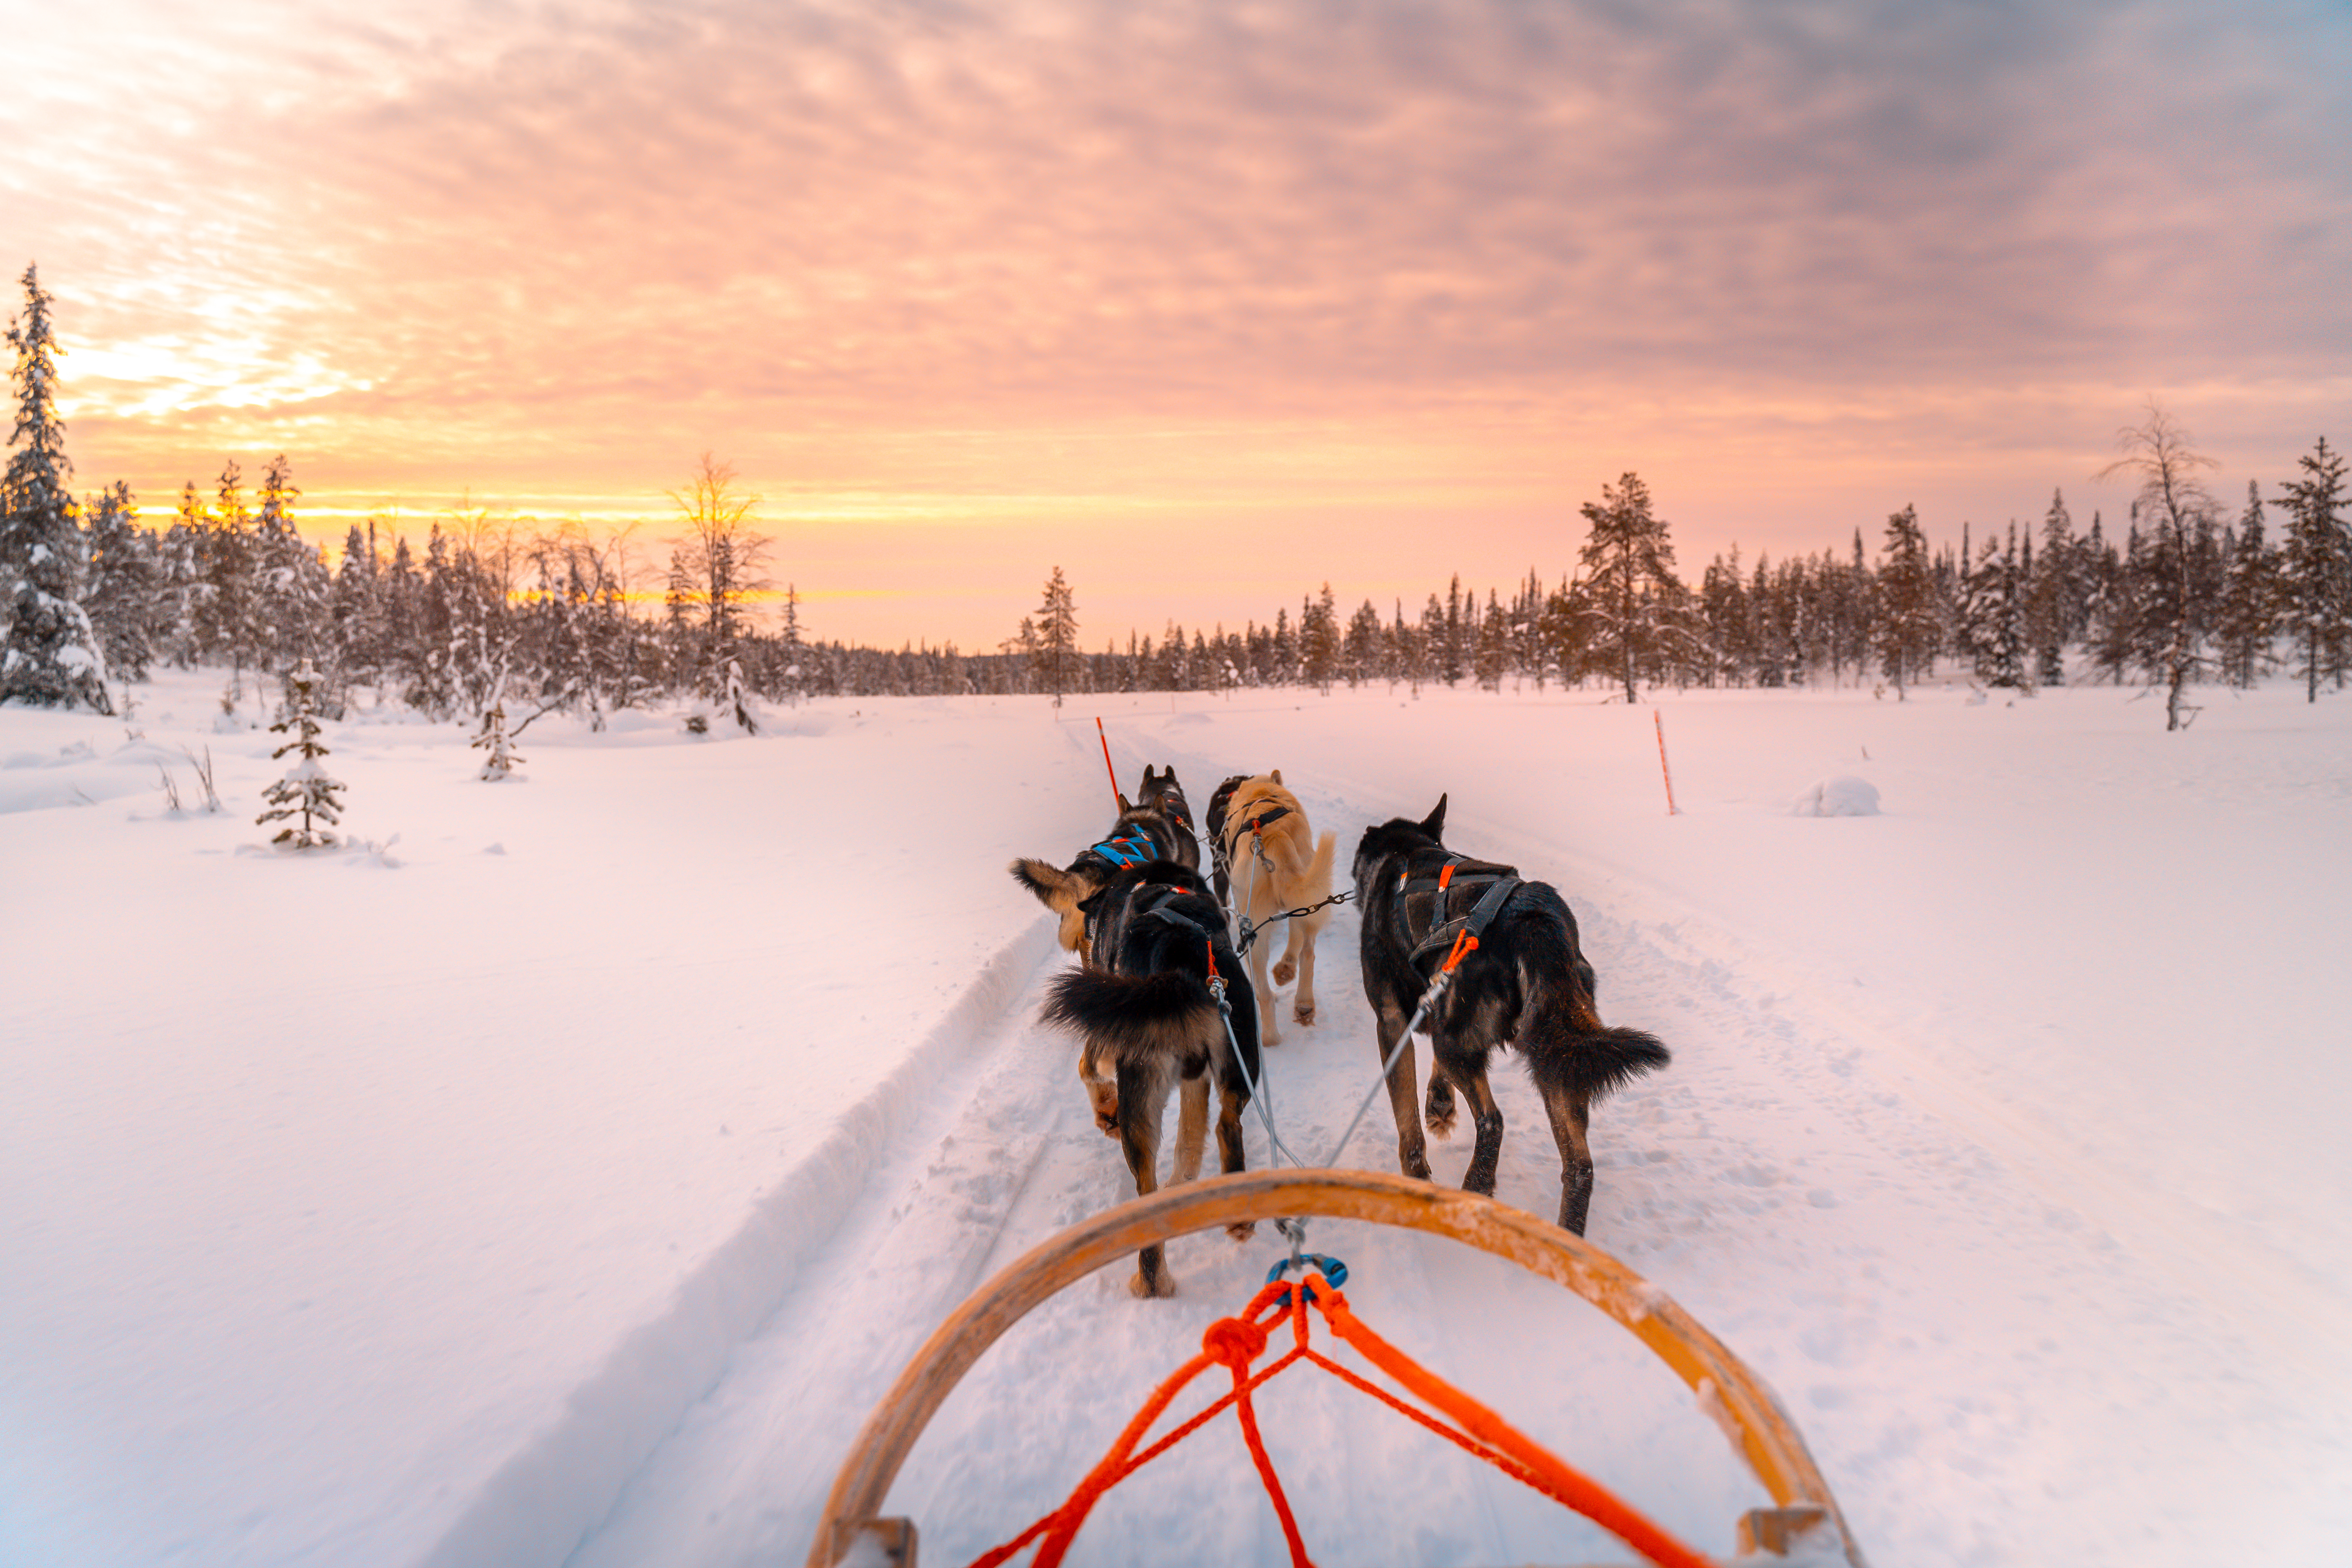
(1230, 1154)
(1269, 1032)
(1486, 1120)
(1300, 956)
(1440, 1114)
(1571, 1121)
(1142, 1096)
(1412, 1150)
(1101, 1081)
(1192, 1127)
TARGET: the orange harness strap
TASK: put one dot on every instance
(1237, 1342)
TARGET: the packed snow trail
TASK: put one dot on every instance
(1776, 1180)
(578, 1160)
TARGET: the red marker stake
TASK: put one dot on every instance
(1666, 773)
(1112, 771)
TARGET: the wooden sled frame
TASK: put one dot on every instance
(1749, 1412)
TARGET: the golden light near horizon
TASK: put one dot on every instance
(1394, 290)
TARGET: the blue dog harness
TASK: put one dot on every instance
(1131, 850)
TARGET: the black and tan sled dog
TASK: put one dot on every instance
(1157, 825)
(1150, 1023)
(1526, 983)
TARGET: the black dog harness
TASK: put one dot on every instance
(1171, 800)
(1457, 874)
(1235, 827)
(1151, 903)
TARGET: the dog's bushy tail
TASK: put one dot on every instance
(1561, 1034)
(1318, 870)
(1132, 1015)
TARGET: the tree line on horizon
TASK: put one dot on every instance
(495, 609)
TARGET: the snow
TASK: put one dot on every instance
(568, 1185)
(1844, 795)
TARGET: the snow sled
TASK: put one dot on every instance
(1804, 1520)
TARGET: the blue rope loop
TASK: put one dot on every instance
(1334, 1273)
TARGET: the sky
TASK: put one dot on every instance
(1207, 303)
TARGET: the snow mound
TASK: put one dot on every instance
(1841, 796)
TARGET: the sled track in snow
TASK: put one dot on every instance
(540, 1505)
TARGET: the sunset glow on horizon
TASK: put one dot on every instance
(1206, 304)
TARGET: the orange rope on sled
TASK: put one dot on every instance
(1235, 1343)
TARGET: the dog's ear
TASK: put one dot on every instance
(1147, 780)
(1124, 807)
(1435, 823)
(1276, 776)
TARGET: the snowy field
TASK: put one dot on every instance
(561, 1173)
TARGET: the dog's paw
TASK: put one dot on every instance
(1242, 1230)
(1110, 1124)
(1304, 1014)
(1437, 1111)
(1285, 971)
(1144, 1290)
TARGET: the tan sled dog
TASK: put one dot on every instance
(1278, 864)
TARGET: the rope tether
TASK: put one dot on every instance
(1237, 1342)
(1465, 945)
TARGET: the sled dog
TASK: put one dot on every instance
(1277, 863)
(1157, 825)
(1150, 1023)
(1212, 822)
(1526, 983)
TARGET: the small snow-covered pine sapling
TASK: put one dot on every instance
(306, 791)
(739, 700)
(493, 739)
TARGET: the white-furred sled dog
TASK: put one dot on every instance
(1277, 863)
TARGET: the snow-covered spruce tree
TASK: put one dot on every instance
(49, 656)
(1908, 627)
(125, 582)
(1490, 654)
(1056, 637)
(501, 758)
(1319, 640)
(294, 618)
(2316, 566)
(735, 699)
(792, 652)
(227, 618)
(306, 791)
(1630, 563)
(1991, 631)
(2246, 616)
(2052, 594)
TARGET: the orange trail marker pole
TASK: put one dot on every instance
(1664, 771)
(1112, 771)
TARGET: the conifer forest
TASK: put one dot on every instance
(2188, 589)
